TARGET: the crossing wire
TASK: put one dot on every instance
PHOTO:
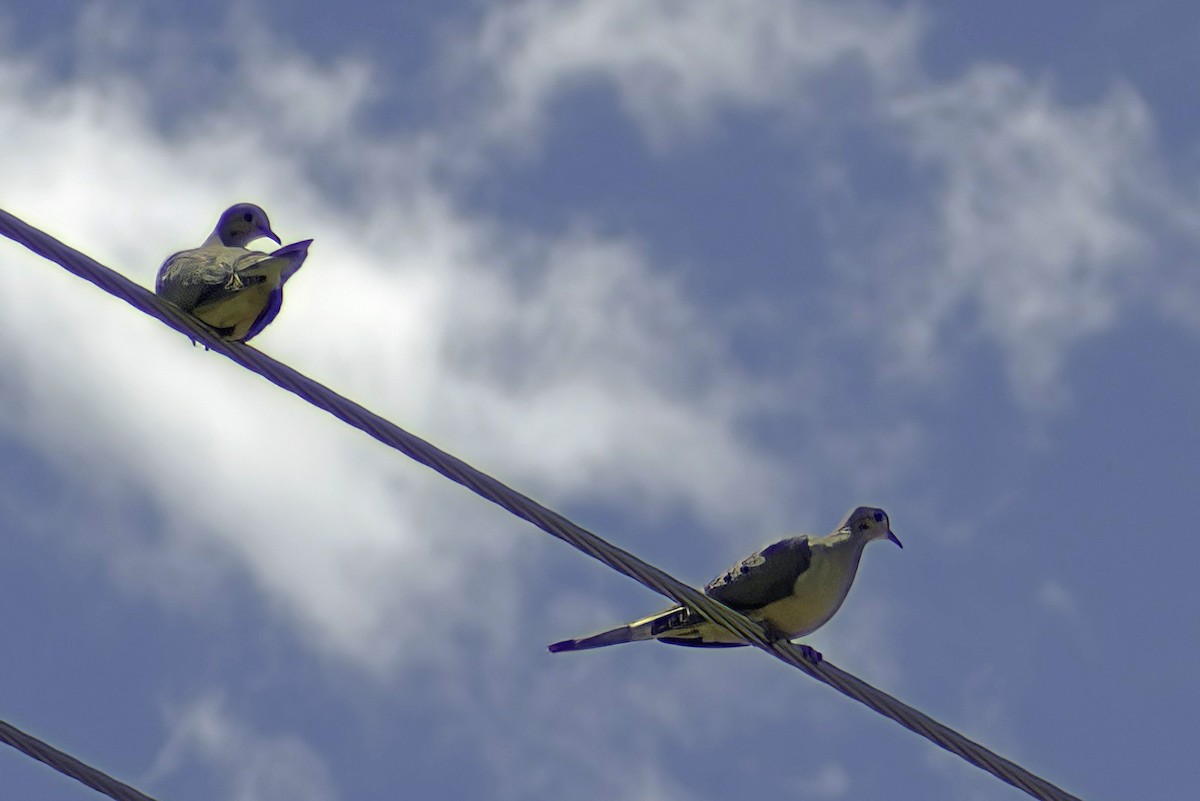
(68, 765)
(524, 507)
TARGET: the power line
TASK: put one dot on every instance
(524, 507)
(68, 765)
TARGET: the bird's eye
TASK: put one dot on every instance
(247, 216)
(879, 517)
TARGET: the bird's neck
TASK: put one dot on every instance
(844, 549)
(845, 540)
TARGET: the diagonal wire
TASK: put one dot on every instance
(68, 765)
(524, 507)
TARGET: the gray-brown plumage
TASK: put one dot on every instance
(793, 587)
(235, 290)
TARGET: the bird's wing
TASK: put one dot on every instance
(762, 577)
(203, 276)
(185, 275)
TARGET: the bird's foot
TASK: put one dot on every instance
(774, 635)
(810, 653)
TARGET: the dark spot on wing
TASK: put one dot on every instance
(762, 577)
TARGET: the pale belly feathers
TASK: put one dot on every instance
(819, 593)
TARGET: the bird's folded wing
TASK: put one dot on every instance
(762, 577)
(192, 267)
(185, 277)
(250, 268)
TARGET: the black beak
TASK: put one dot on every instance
(894, 539)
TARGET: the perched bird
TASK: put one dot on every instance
(792, 587)
(235, 290)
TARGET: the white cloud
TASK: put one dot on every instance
(1054, 597)
(568, 365)
(1036, 230)
(675, 64)
(255, 766)
(1040, 224)
(1061, 610)
(630, 723)
(831, 781)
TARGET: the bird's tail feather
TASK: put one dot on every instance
(611, 637)
(296, 253)
(643, 629)
(280, 264)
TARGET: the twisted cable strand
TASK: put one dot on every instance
(524, 507)
(68, 765)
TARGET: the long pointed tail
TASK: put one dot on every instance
(295, 254)
(279, 266)
(611, 637)
(644, 629)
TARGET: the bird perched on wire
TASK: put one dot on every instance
(792, 587)
(235, 290)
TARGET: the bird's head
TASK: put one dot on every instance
(869, 523)
(242, 224)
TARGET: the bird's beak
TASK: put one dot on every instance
(894, 539)
(269, 234)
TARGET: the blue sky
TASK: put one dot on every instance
(695, 275)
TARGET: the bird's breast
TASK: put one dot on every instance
(239, 311)
(817, 594)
